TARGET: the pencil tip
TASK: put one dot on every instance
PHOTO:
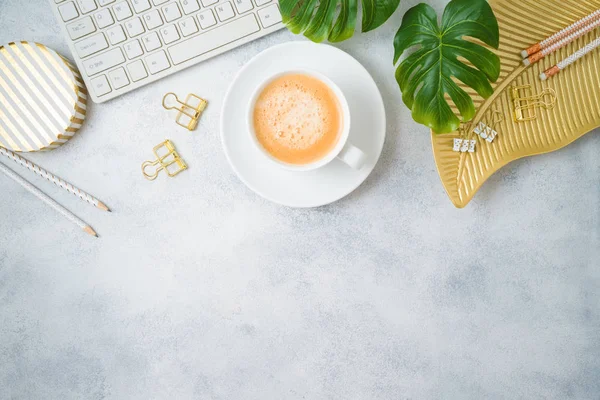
(103, 206)
(88, 229)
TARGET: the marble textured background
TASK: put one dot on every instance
(199, 289)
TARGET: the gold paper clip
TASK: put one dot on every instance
(189, 111)
(526, 104)
(166, 156)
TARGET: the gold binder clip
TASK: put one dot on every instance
(526, 104)
(189, 111)
(489, 132)
(168, 159)
(462, 144)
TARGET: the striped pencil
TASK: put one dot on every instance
(54, 179)
(48, 200)
(561, 35)
(561, 43)
(570, 60)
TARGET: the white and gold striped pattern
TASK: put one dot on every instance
(43, 99)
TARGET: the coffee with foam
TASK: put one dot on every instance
(297, 119)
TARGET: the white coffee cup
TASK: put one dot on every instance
(343, 150)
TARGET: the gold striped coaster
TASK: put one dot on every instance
(43, 99)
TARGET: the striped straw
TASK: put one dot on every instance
(54, 179)
(561, 43)
(570, 60)
(561, 35)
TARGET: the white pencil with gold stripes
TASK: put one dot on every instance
(48, 200)
(54, 179)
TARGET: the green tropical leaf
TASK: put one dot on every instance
(334, 20)
(426, 76)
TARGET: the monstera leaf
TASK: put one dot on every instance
(334, 20)
(427, 77)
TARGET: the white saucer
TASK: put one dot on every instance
(331, 182)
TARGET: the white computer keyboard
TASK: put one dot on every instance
(120, 45)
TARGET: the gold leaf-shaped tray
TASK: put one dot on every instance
(576, 111)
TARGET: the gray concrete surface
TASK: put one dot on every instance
(199, 289)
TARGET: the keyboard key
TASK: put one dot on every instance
(137, 71)
(189, 6)
(68, 11)
(225, 11)
(134, 27)
(269, 16)
(119, 42)
(171, 12)
(104, 18)
(157, 62)
(122, 11)
(100, 86)
(206, 19)
(188, 27)
(80, 28)
(118, 78)
(91, 45)
(153, 19)
(213, 39)
(243, 6)
(104, 61)
(169, 34)
(151, 42)
(116, 34)
(87, 6)
(133, 49)
(140, 5)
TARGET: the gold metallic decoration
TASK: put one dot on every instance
(526, 103)
(167, 158)
(576, 111)
(43, 99)
(189, 111)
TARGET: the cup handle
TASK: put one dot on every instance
(353, 156)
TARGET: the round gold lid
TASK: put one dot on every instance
(42, 98)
